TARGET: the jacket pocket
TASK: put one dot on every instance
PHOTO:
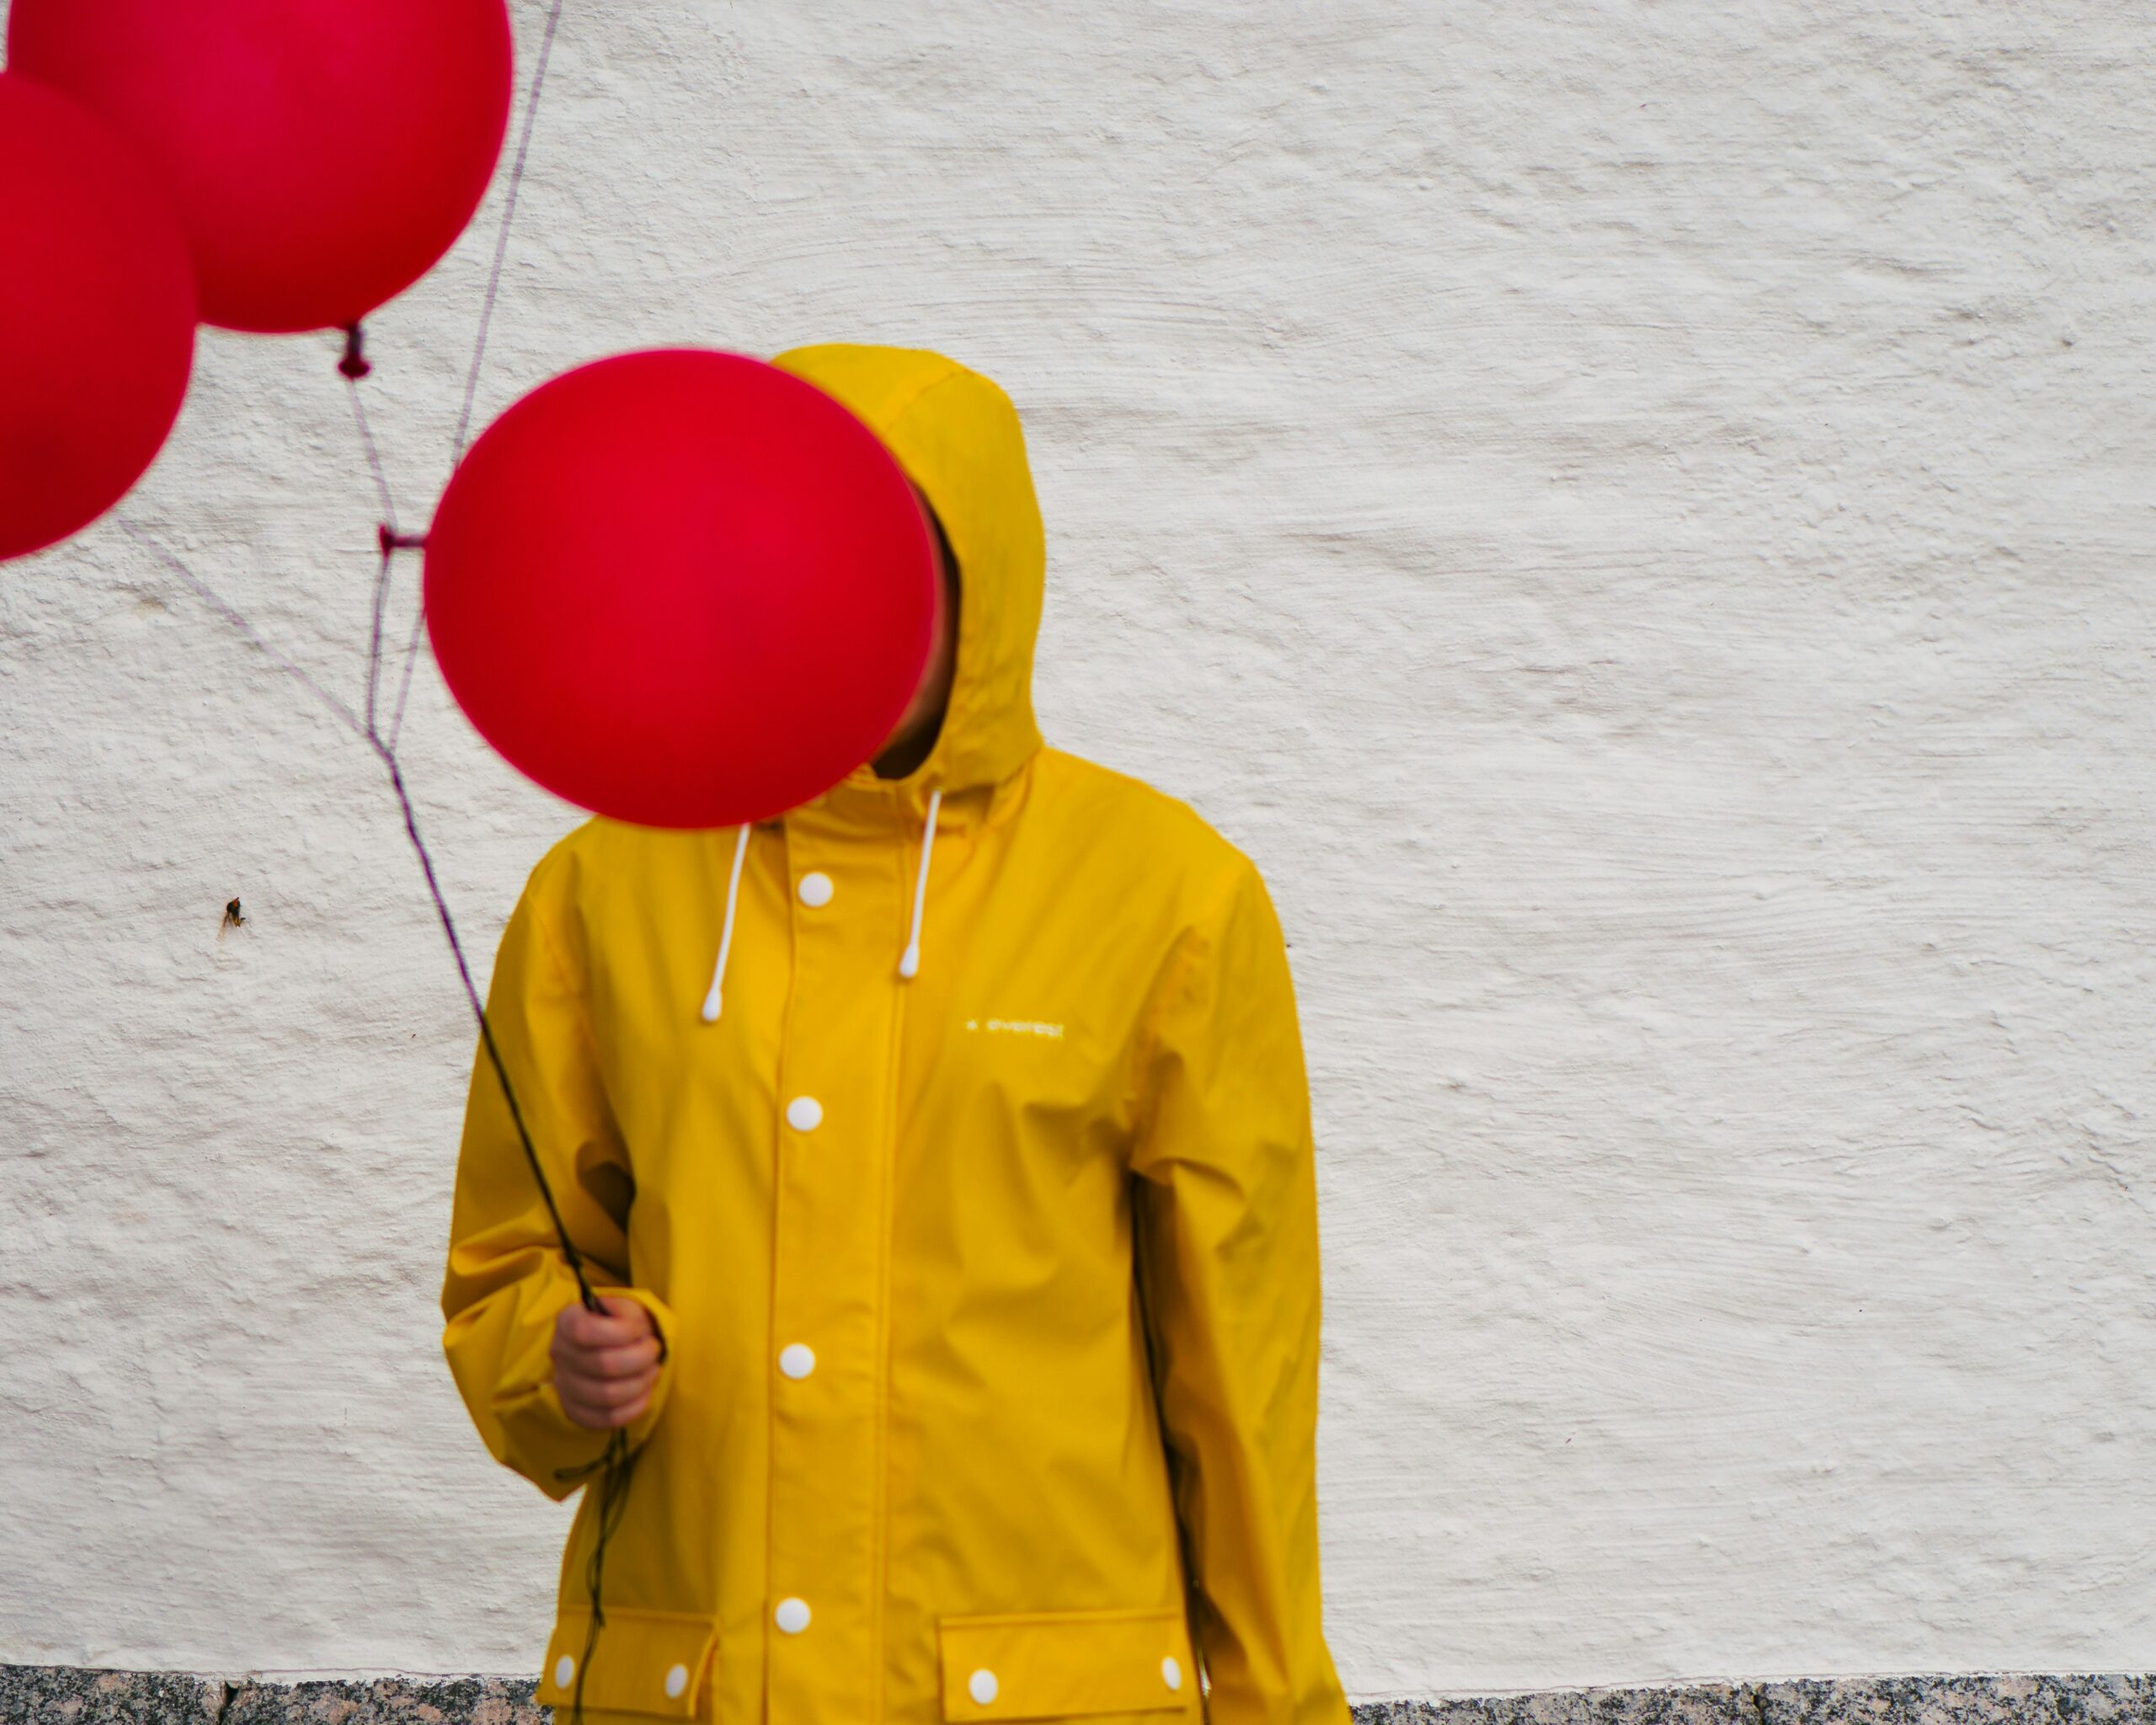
(1066, 1664)
(643, 1662)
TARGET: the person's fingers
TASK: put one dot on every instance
(634, 1360)
(600, 1419)
(623, 1323)
(630, 1311)
(603, 1409)
(604, 1362)
(605, 1392)
(619, 1320)
(569, 1369)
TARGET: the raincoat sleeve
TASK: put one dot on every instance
(508, 1280)
(1228, 1261)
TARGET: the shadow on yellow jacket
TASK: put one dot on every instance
(991, 1292)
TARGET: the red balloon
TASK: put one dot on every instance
(682, 588)
(323, 153)
(97, 317)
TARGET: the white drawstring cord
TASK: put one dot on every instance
(712, 1002)
(910, 964)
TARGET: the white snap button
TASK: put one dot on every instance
(804, 1114)
(564, 1672)
(792, 1615)
(796, 1359)
(677, 1680)
(816, 890)
(1172, 1672)
(982, 1687)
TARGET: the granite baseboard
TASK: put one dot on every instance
(66, 1695)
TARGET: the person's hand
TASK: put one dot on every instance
(604, 1367)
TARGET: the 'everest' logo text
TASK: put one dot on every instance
(1017, 1026)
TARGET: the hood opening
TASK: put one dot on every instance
(950, 610)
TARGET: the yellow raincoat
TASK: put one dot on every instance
(989, 1292)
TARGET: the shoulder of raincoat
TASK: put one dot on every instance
(954, 1130)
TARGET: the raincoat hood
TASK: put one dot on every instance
(957, 435)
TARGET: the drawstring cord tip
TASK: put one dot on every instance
(714, 1001)
(910, 964)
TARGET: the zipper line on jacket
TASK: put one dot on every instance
(714, 1002)
(909, 961)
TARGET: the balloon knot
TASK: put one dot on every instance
(355, 363)
(391, 540)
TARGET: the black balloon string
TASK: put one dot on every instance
(615, 1465)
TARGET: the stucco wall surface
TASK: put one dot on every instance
(1638, 517)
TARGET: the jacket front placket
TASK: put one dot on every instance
(848, 890)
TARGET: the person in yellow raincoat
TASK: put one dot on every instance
(942, 1151)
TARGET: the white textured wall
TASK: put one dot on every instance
(1638, 516)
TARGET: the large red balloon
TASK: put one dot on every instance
(682, 588)
(97, 317)
(323, 153)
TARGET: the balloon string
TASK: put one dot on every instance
(615, 1464)
(615, 1467)
(411, 659)
(202, 590)
(368, 733)
(510, 195)
(501, 235)
(375, 467)
(575, 1259)
(374, 647)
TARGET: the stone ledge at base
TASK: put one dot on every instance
(69, 1695)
